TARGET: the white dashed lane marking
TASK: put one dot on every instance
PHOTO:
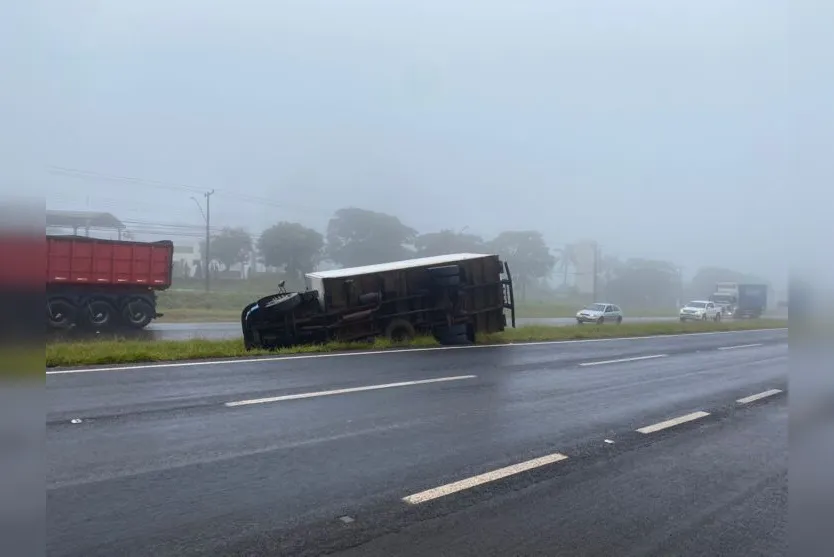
(622, 360)
(481, 479)
(673, 422)
(740, 346)
(345, 391)
(758, 396)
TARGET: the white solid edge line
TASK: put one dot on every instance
(347, 390)
(740, 346)
(621, 360)
(379, 352)
(758, 396)
(474, 481)
(673, 422)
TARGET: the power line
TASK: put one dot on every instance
(88, 174)
(237, 196)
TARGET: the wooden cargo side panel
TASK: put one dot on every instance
(485, 275)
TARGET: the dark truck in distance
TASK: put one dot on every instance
(452, 297)
(752, 301)
(740, 300)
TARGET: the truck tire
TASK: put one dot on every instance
(717, 318)
(60, 313)
(97, 315)
(281, 302)
(137, 313)
(601, 320)
(400, 330)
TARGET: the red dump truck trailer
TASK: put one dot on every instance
(104, 284)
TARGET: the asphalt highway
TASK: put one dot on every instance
(667, 445)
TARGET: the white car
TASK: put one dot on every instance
(600, 313)
(700, 310)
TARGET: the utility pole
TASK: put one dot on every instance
(207, 218)
(208, 195)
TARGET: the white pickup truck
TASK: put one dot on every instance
(700, 310)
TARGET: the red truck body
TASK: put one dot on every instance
(104, 284)
(79, 260)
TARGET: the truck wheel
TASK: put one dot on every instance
(704, 318)
(60, 313)
(138, 313)
(717, 317)
(600, 321)
(619, 319)
(400, 330)
(97, 315)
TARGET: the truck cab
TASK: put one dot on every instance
(725, 298)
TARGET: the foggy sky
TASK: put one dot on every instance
(652, 126)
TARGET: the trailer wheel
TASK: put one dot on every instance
(60, 313)
(138, 313)
(97, 315)
(400, 330)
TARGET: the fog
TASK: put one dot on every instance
(662, 129)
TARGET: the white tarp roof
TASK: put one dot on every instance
(397, 265)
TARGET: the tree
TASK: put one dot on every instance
(565, 258)
(645, 284)
(358, 237)
(447, 241)
(230, 246)
(292, 246)
(528, 255)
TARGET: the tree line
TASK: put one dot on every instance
(356, 237)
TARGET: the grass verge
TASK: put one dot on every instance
(66, 354)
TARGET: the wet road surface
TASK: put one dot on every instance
(545, 449)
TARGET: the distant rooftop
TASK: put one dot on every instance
(83, 219)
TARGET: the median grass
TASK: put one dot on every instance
(102, 352)
(228, 307)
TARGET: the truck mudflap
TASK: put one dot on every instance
(509, 294)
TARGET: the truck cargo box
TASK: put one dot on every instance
(407, 277)
(82, 260)
(102, 285)
(453, 297)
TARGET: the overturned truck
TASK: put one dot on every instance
(451, 297)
